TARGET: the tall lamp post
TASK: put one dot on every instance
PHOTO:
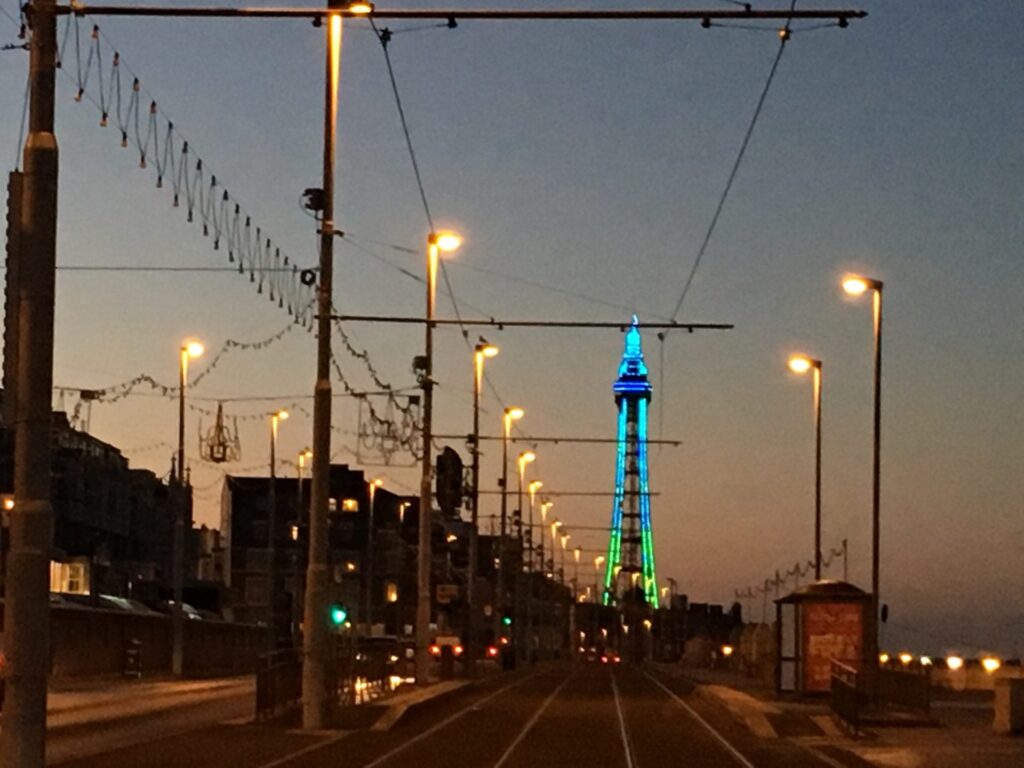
(544, 507)
(511, 414)
(598, 562)
(304, 454)
(481, 352)
(856, 285)
(532, 489)
(372, 487)
(525, 458)
(190, 349)
(802, 364)
(275, 421)
(437, 242)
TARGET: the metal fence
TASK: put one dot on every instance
(847, 698)
(852, 694)
(905, 688)
(360, 670)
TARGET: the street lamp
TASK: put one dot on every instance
(373, 485)
(598, 562)
(544, 507)
(533, 487)
(802, 364)
(190, 348)
(511, 414)
(304, 454)
(856, 285)
(275, 419)
(525, 458)
(576, 553)
(561, 560)
(437, 243)
(481, 352)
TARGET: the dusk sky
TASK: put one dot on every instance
(583, 162)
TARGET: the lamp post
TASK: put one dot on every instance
(532, 488)
(855, 285)
(275, 420)
(481, 352)
(437, 242)
(526, 457)
(372, 486)
(304, 454)
(511, 414)
(561, 561)
(802, 364)
(555, 525)
(544, 507)
(576, 553)
(189, 349)
(598, 562)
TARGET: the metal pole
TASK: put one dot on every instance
(316, 628)
(178, 542)
(27, 608)
(845, 571)
(876, 465)
(423, 562)
(817, 471)
(502, 543)
(526, 547)
(474, 542)
(369, 560)
(271, 539)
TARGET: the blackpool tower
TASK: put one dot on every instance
(630, 561)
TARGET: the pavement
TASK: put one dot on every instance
(961, 736)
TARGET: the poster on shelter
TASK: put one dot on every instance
(831, 631)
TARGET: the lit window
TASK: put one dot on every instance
(332, 505)
(350, 566)
(349, 505)
(295, 533)
(391, 592)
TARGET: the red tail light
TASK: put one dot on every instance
(492, 651)
(435, 650)
(458, 650)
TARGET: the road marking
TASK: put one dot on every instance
(434, 729)
(707, 726)
(306, 750)
(529, 725)
(627, 745)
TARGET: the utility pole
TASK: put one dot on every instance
(27, 605)
(316, 626)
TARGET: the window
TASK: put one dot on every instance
(332, 505)
(350, 505)
(391, 592)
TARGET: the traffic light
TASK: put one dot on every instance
(506, 619)
(449, 480)
(338, 614)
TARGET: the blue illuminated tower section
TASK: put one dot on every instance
(630, 561)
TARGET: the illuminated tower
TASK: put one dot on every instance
(630, 561)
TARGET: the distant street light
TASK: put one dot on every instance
(544, 507)
(525, 458)
(856, 285)
(511, 414)
(533, 487)
(304, 454)
(372, 487)
(598, 562)
(481, 352)
(802, 364)
(190, 349)
(437, 242)
(275, 419)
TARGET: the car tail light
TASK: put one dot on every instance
(492, 651)
(458, 650)
(435, 650)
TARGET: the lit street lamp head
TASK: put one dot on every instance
(445, 241)
(192, 348)
(361, 9)
(535, 486)
(803, 363)
(527, 456)
(486, 350)
(855, 285)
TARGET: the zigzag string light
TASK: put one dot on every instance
(174, 160)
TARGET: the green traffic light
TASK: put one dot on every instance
(506, 620)
(338, 615)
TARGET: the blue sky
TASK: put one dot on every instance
(589, 158)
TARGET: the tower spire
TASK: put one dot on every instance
(630, 571)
